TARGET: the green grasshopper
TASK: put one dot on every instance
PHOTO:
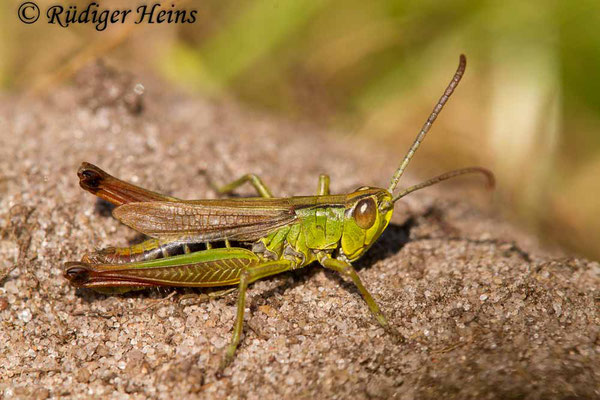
(262, 236)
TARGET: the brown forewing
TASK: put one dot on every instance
(207, 220)
(113, 190)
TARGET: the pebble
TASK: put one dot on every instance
(25, 315)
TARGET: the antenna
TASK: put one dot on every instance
(437, 109)
(457, 172)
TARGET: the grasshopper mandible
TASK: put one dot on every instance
(262, 236)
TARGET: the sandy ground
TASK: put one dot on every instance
(488, 313)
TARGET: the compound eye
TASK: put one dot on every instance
(365, 213)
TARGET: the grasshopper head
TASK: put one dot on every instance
(364, 220)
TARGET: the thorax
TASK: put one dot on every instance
(317, 229)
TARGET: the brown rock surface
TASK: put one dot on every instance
(488, 313)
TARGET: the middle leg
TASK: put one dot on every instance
(248, 276)
(254, 180)
(323, 188)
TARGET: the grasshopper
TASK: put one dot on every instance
(257, 237)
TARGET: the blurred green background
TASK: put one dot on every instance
(528, 108)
